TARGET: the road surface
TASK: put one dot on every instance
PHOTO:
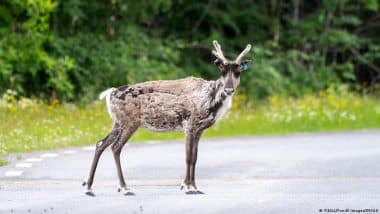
(302, 173)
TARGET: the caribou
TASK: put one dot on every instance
(190, 105)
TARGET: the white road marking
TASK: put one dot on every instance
(33, 159)
(69, 152)
(13, 173)
(49, 155)
(24, 165)
(152, 141)
(89, 148)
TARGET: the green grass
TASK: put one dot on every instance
(30, 125)
(3, 162)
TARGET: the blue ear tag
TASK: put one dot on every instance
(244, 66)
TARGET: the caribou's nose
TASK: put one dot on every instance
(229, 91)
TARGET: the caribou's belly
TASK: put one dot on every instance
(164, 112)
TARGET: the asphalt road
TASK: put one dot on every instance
(303, 173)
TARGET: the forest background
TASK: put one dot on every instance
(315, 63)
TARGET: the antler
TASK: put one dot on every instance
(243, 53)
(218, 52)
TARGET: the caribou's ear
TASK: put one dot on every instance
(244, 64)
(219, 63)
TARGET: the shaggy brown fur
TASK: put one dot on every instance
(190, 105)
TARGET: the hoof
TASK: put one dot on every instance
(126, 191)
(191, 190)
(87, 191)
(200, 192)
(129, 194)
(194, 192)
(90, 193)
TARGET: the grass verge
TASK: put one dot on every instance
(3, 162)
(32, 125)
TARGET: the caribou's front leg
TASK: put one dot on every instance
(188, 184)
(193, 162)
(188, 148)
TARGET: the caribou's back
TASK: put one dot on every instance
(185, 86)
(163, 105)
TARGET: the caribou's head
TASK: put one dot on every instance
(230, 70)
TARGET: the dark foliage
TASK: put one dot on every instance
(73, 49)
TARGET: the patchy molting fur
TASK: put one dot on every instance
(190, 105)
(168, 105)
(222, 111)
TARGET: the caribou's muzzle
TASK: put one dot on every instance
(229, 91)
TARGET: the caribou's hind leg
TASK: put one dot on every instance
(101, 145)
(116, 150)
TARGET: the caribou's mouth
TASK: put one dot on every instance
(228, 91)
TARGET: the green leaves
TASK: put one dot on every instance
(348, 20)
(371, 4)
(58, 73)
(76, 48)
(27, 65)
(342, 39)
